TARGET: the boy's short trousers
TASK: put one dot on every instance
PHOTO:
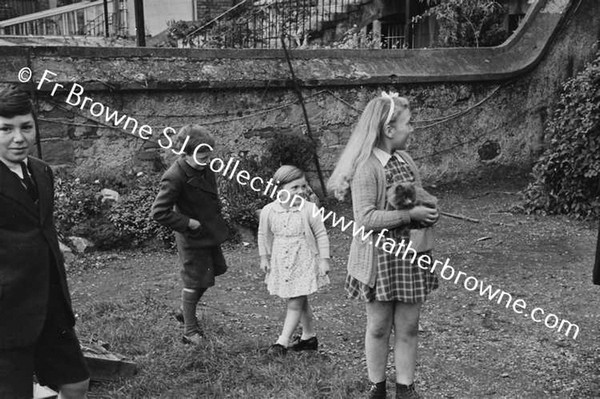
(201, 265)
(56, 359)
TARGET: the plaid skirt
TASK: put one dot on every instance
(397, 279)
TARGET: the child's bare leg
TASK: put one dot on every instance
(406, 328)
(189, 300)
(307, 321)
(292, 318)
(380, 316)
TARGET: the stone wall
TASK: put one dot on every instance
(466, 121)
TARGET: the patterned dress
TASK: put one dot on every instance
(294, 268)
(397, 279)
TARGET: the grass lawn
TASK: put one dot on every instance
(470, 347)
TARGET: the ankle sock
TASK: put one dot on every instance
(285, 342)
(189, 300)
(307, 337)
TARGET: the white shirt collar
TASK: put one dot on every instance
(381, 155)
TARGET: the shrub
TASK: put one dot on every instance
(290, 149)
(241, 203)
(75, 203)
(131, 215)
(178, 30)
(79, 211)
(567, 175)
(467, 23)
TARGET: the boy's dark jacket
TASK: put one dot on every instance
(28, 242)
(183, 195)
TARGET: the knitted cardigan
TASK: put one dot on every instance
(314, 230)
(368, 201)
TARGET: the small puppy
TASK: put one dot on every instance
(404, 196)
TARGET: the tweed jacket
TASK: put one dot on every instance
(368, 201)
(317, 241)
(28, 248)
(184, 194)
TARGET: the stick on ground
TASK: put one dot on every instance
(461, 217)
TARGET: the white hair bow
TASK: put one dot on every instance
(391, 96)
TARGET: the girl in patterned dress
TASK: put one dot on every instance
(294, 252)
(392, 287)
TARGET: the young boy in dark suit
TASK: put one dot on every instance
(188, 203)
(36, 318)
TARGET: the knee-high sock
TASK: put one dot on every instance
(189, 300)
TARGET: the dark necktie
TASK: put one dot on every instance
(28, 182)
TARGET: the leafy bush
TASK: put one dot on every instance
(131, 215)
(467, 23)
(567, 175)
(75, 202)
(290, 149)
(79, 211)
(178, 30)
(241, 203)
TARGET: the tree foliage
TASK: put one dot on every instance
(567, 176)
(467, 23)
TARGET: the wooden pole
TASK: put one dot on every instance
(116, 17)
(308, 130)
(596, 273)
(140, 28)
(407, 30)
(106, 32)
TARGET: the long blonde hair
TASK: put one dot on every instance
(364, 138)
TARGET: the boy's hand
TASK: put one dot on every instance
(264, 264)
(193, 224)
(324, 267)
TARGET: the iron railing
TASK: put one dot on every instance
(262, 24)
(80, 19)
(393, 37)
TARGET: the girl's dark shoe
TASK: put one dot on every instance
(277, 350)
(311, 344)
(407, 392)
(377, 391)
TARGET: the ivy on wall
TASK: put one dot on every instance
(567, 176)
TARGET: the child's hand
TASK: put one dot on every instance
(323, 267)
(423, 214)
(264, 264)
(193, 224)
